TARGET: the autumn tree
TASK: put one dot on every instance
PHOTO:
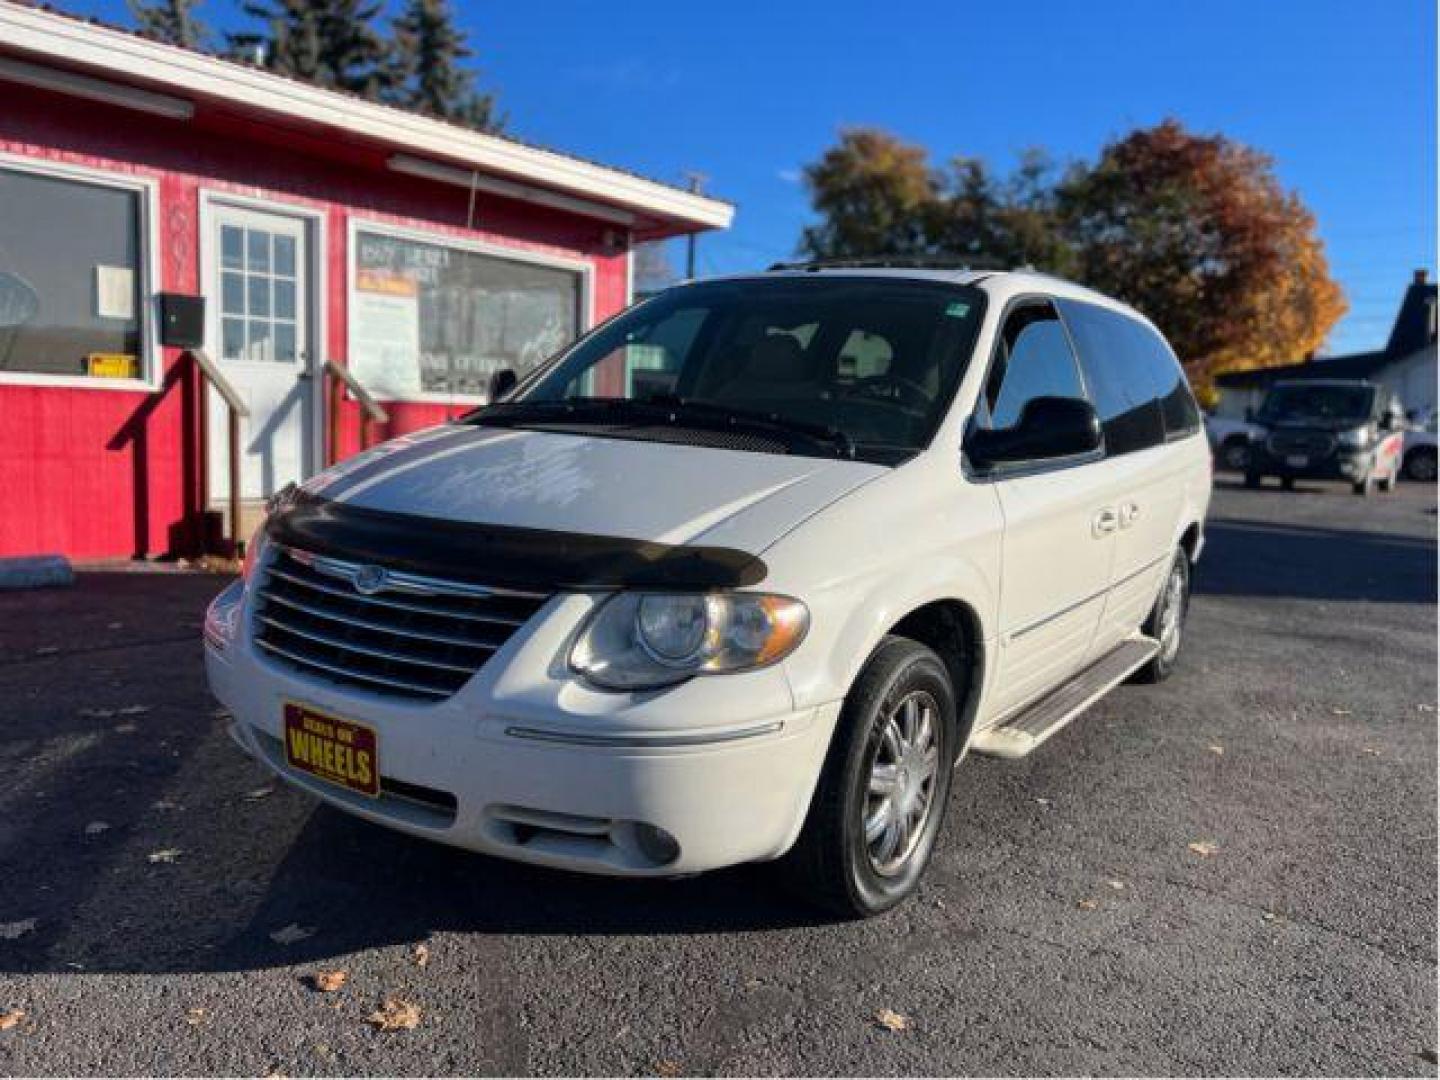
(171, 21)
(1198, 233)
(426, 67)
(332, 43)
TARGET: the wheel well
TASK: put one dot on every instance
(952, 629)
(1189, 540)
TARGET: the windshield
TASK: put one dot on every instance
(1318, 403)
(838, 366)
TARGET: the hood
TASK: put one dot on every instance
(584, 484)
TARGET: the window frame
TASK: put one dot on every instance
(148, 270)
(585, 268)
(981, 406)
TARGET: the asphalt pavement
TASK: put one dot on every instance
(1234, 872)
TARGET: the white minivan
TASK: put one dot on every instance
(739, 576)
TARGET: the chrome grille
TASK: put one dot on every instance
(381, 630)
(1309, 443)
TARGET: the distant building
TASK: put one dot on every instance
(154, 198)
(1405, 366)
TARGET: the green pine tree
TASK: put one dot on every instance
(426, 72)
(332, 43)
(170, 21)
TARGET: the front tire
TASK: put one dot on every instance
(1166, 623)
(882, 794)
(1364, 488)
(1421, 465)
(1252, 479)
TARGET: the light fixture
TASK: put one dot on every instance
(84, 86)
(510, 189)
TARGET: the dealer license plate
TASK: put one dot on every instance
(1297, 461)
(340, 752)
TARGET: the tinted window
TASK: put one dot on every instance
(1034, 360)
(1121, 373)
(1177, 403)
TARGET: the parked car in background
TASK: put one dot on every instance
(853, 523)
(1229, 441)
(1327, 429)
(1420, 449)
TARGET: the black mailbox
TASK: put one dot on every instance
(182, 320)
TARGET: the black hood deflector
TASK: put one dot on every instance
(502, 555)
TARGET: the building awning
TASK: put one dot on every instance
(85, 59)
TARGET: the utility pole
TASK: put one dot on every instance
(695, 181)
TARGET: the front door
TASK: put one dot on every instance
(259, 332)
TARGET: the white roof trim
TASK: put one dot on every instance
(118, 54)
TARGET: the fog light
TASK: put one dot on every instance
(657, 845)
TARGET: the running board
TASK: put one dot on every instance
(1030, 727)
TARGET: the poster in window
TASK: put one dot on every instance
(385, 334)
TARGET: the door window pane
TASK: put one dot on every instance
(284, 299)
(70, 277)
(265, 299)
(285, 342)
(232, 248)
(427, 318)
(1121, 381)
(257, 245)
(258, 346)
(1034, 361)
(232, 294)
(285, 255)
(259, 296)
(232, 339)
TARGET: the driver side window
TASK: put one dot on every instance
(1033, 359)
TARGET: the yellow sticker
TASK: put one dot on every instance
(112, 365)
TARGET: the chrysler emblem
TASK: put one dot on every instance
(369, 580)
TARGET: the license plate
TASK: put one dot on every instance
(340, 752)
(1297, 461)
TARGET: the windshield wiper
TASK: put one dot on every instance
(725, 416)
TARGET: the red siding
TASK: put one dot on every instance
(97, 473)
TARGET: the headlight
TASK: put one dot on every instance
(1355, 438)
(640, 641)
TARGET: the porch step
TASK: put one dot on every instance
(1032, 725)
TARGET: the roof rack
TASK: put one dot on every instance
(897, 262)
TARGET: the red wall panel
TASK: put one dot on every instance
(95, 473)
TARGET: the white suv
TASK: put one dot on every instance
(739, 576)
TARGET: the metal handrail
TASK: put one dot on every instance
(237, 411)
(370, 409)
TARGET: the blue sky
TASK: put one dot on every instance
(1342, 95)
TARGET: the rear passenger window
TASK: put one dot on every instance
(1033, 360)
(1121, 372)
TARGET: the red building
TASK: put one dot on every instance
(420, 256)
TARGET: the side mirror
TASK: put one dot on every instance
(1049, 427)
(501, 383)
(1389, 421)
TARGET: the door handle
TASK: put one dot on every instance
(1106, 521)
(1128, 514)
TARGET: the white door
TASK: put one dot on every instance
(1059, 539)
(258, 304)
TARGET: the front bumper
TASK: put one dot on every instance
(1339, 464)
(525, 763)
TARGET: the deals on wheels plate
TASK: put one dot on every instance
(340, 752)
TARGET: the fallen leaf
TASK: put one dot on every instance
(327, 982)
(668, 1067)
(421, 954)
(1116, 884)
(258, 794)
(195, 1017)
(9, 1019)
(1204, 848)
(164, 855)
(288, 935)
(95, 828)
(1217, 749)
(395, 1015)
(12, 930)
(1087, 905)
(892, 1021)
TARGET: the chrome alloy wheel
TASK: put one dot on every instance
(1172, 611)
(904, 760)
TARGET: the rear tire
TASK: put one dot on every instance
(1420, 465)
(877, 810)
(1235, 453)
(1166, 623)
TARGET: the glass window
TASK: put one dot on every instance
(426, 318)
(769, 352)
(1034, 360)
(70, 277)
(258, 295)
(1120, 374)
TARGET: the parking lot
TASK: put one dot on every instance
(1234, 872)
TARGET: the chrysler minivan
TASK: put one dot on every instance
(739, 576)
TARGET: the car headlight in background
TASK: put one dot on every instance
(642, 641)
(1354, 439)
